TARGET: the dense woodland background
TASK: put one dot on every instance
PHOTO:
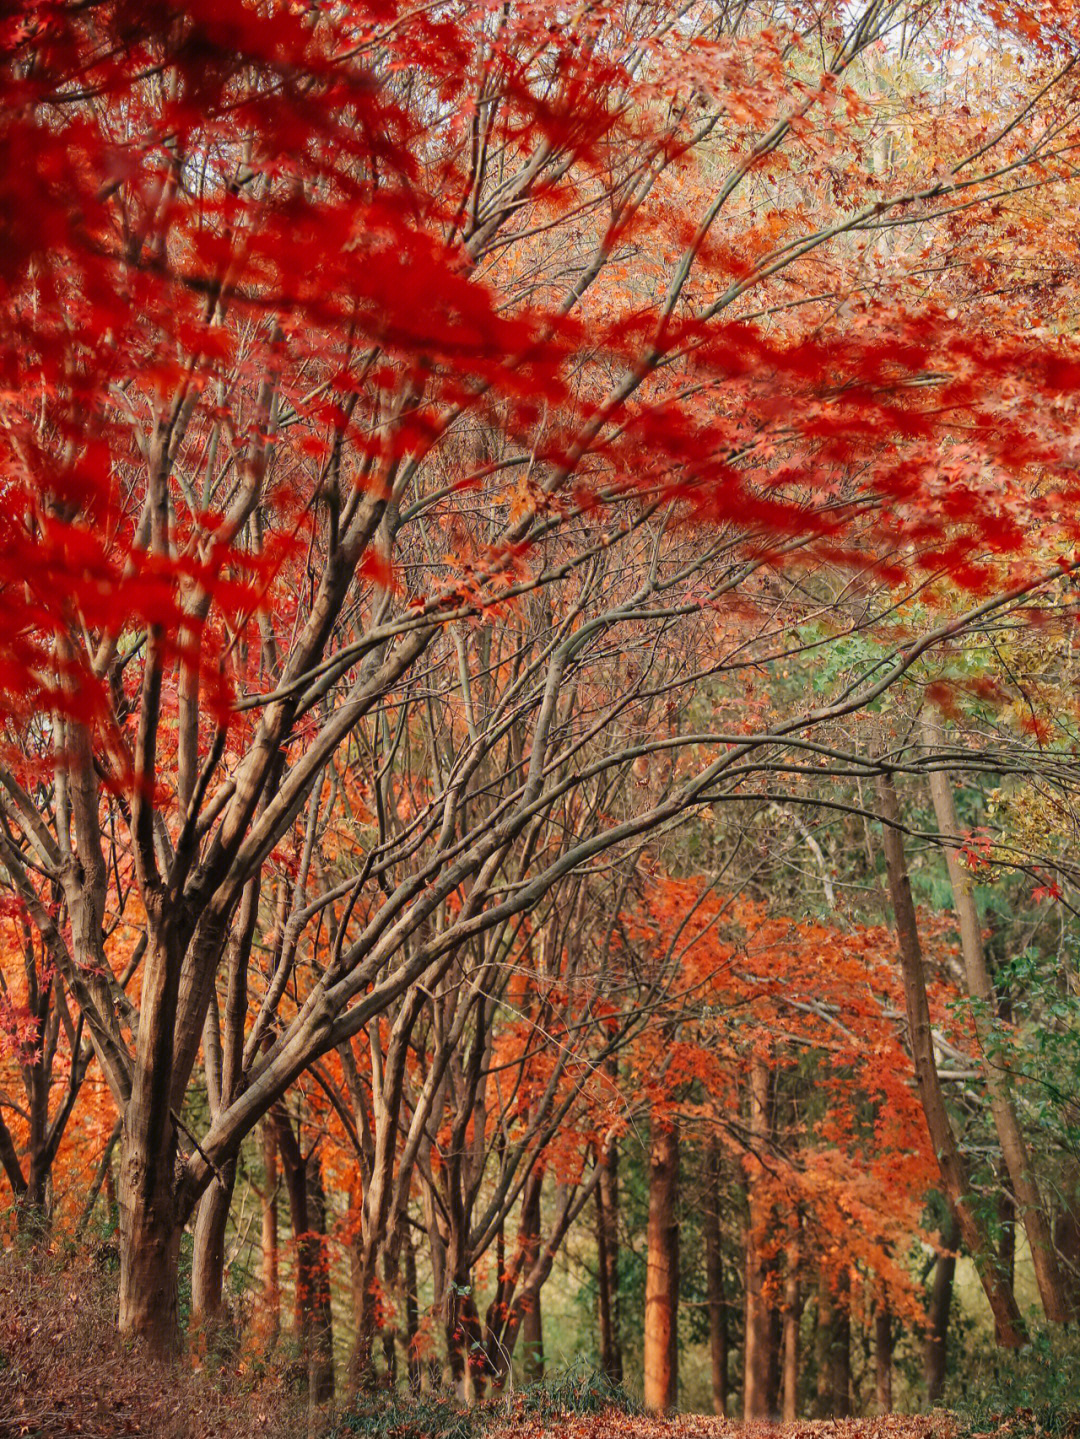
(539, 757)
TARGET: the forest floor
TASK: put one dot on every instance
(616, 1425)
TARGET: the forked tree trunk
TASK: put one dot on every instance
(662, 1271)
(937, 1330)
(714, 1280)
(607, 1254)
(1031, 1211)
(954, 1176)
(757, 1343)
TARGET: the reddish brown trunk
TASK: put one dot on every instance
(757, 1330)
(662, 1271)
(954, 1176)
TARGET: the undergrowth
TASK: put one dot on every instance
(1017, 1394)
(574, 1391)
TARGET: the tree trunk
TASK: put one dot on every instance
(840, 1359)
(532, 1325)
(1067, 1235)
(412, 1314)
(1031, 1211)
(775, 1358)
(149, 1236)
(532, 1339)
(662, 1271)
(714, 1281)
(208, 1257)
(883, 1355)
(954, 1177)
(271, 1284)
(311, 1294)
(607, 1258)
(792, 1316)
(938, 1317)
(822, 1347)
(757, 1346)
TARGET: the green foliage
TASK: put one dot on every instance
(1033, 1391)
(577, 1390)
(393, 1415)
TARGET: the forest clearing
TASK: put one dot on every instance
(539, 717)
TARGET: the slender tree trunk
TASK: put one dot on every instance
(757, 1346)
(775, 1358)
(532, 1325)
(954, 1177)
(714, 1280)
(412, 1315)
(1067, 1235)
(938, 1317)
(311, 1296)
(1031, 1211)
(271, 1284)
(789, 1411)
(662, 1271)
(823, 1333)
(840, 1355)
(883, 1357)
(607, 1255)
(208, 1257)
(1006, 1216)
(532, 1339)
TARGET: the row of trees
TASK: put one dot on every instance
(447, 455)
